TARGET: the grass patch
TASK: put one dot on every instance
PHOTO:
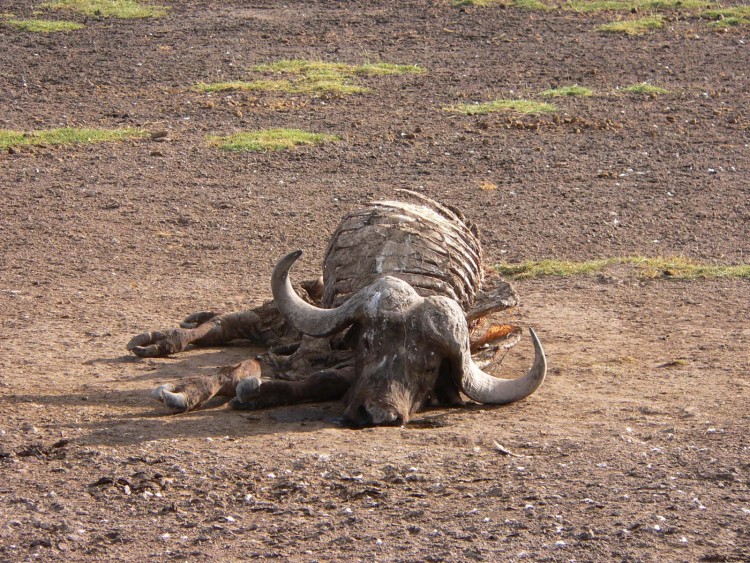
(557, 268)
(312, 77)
(686, 269)
(633, 27)
(677, 268)
(530, 5)
(516, 106)
(285, 86)
(672, 4)
(335, 70)
(591, 6)
(379, 69)
(270, 85)
(647, 89)
(44, 26)
(726, 17)
(270, 140)
(65, 136)
(599, 6)
(630, 5)
(527, 4)
(574, 90)
(481, 3)
(109, 8)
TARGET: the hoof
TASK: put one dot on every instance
(175, 402)
(157, 393)
(247, 389)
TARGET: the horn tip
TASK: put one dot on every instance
(534, 337)
(540, 356)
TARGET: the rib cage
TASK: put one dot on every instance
(431, 247)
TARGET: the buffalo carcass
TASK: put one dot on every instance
(387, 327)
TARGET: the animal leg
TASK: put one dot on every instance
(194, 392)
(263, 325)
(327, 385)
(196, 319)
(220, 329)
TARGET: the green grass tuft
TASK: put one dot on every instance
(65, 136)
(633, 27)
(599, 6)
(329, 86)
(312, 77)
(516, 106)
(574, 90)
(676, 268)
(530, 5)
(726, 17)
(301, 66)
(270, 140)
(44, 26)
(380, 69)
(337, 70)
(109, 8)
(526, 4)
(557, 268)
(630, 5)
(686, 269)
(645, 88)
(285, 86)
(591, 6)
(673, 4)
(267, 85)
(481, 3)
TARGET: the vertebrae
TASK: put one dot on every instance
(426, 244)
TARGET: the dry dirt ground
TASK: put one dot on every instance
(635, 449)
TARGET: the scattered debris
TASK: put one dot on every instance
(504, 451)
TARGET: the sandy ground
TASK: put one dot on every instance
(636, 447)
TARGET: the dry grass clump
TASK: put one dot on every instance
(658, 267)
(528, 107)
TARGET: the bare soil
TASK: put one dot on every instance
(635, 449)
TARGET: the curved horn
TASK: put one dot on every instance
(484, 388)
(307, 318)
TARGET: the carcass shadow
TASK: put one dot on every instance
(117, 416)
(100, 420)
(109, 411)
